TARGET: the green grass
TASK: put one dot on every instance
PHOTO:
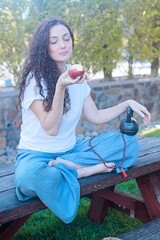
(151, 132)
(44, 225)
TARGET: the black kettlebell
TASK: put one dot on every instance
(129, 126)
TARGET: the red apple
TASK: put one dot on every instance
(76, 70)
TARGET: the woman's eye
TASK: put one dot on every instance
(67, 38)
(53, 42)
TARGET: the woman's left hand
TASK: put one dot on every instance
(141, 110)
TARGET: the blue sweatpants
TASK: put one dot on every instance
(57, 186)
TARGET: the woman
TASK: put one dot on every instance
(50, 157)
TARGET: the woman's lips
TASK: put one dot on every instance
(63, 53)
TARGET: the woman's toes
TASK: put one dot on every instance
(110, 166)
(52, 163)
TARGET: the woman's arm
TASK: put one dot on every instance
(51, 120)
(106, 115)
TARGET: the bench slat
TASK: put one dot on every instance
(149, 231)
(14, 208)
(7, 169)
(7, 180)
(6, 183)
(27, 207)
(144, 164)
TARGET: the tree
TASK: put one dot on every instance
(13, 35)
(141, 28)
(99, 27)
(98, 34)
(17, 22)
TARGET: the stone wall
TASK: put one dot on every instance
(9, 132)
(105, 94)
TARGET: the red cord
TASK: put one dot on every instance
(103, 161)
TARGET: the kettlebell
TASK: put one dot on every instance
(129, 126)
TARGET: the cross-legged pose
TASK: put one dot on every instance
(50, 157)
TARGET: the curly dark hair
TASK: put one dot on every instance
(40, 65)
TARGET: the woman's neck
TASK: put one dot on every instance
(62, 67)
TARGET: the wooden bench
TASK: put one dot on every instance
(100, 188)
(148, 231)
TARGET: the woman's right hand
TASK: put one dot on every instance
(64, 80)
(141, 110)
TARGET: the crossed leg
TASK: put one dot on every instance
(84, 171)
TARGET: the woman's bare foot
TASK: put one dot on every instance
(84, 171)
(95, 169)
(66, 162)
(108, 167)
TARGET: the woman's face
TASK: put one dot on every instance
(60, 43)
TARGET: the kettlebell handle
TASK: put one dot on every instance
(129, 126)
(129, 114)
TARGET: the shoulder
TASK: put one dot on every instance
(32, 83)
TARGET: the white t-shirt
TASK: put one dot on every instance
(34, 137)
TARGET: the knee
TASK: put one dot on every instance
(26, 173)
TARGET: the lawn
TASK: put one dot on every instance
(45, 225)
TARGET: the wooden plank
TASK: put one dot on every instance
(122, 201)
(6, 183)
(7, 169)
(147, 143)
(149, 151)
(105, 180)
(149, 231)
(14, 209)
(97, 212)
(144, 165)
(8, 229)
(149, 186)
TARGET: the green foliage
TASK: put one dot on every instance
(103, 30)
(12, 35)
(98, 34)
(141, 28)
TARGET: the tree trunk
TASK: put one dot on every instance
(130, 67)
(155, 67)
(107, 75)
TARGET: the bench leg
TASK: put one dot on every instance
(149, 186)
(98, 208)
(124, 202)
(8, 230)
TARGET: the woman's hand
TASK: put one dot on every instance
(65, 80)
(101, 116)
(141, 110)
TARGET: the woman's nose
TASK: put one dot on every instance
(62, 44)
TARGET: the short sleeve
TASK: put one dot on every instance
(31, 93)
